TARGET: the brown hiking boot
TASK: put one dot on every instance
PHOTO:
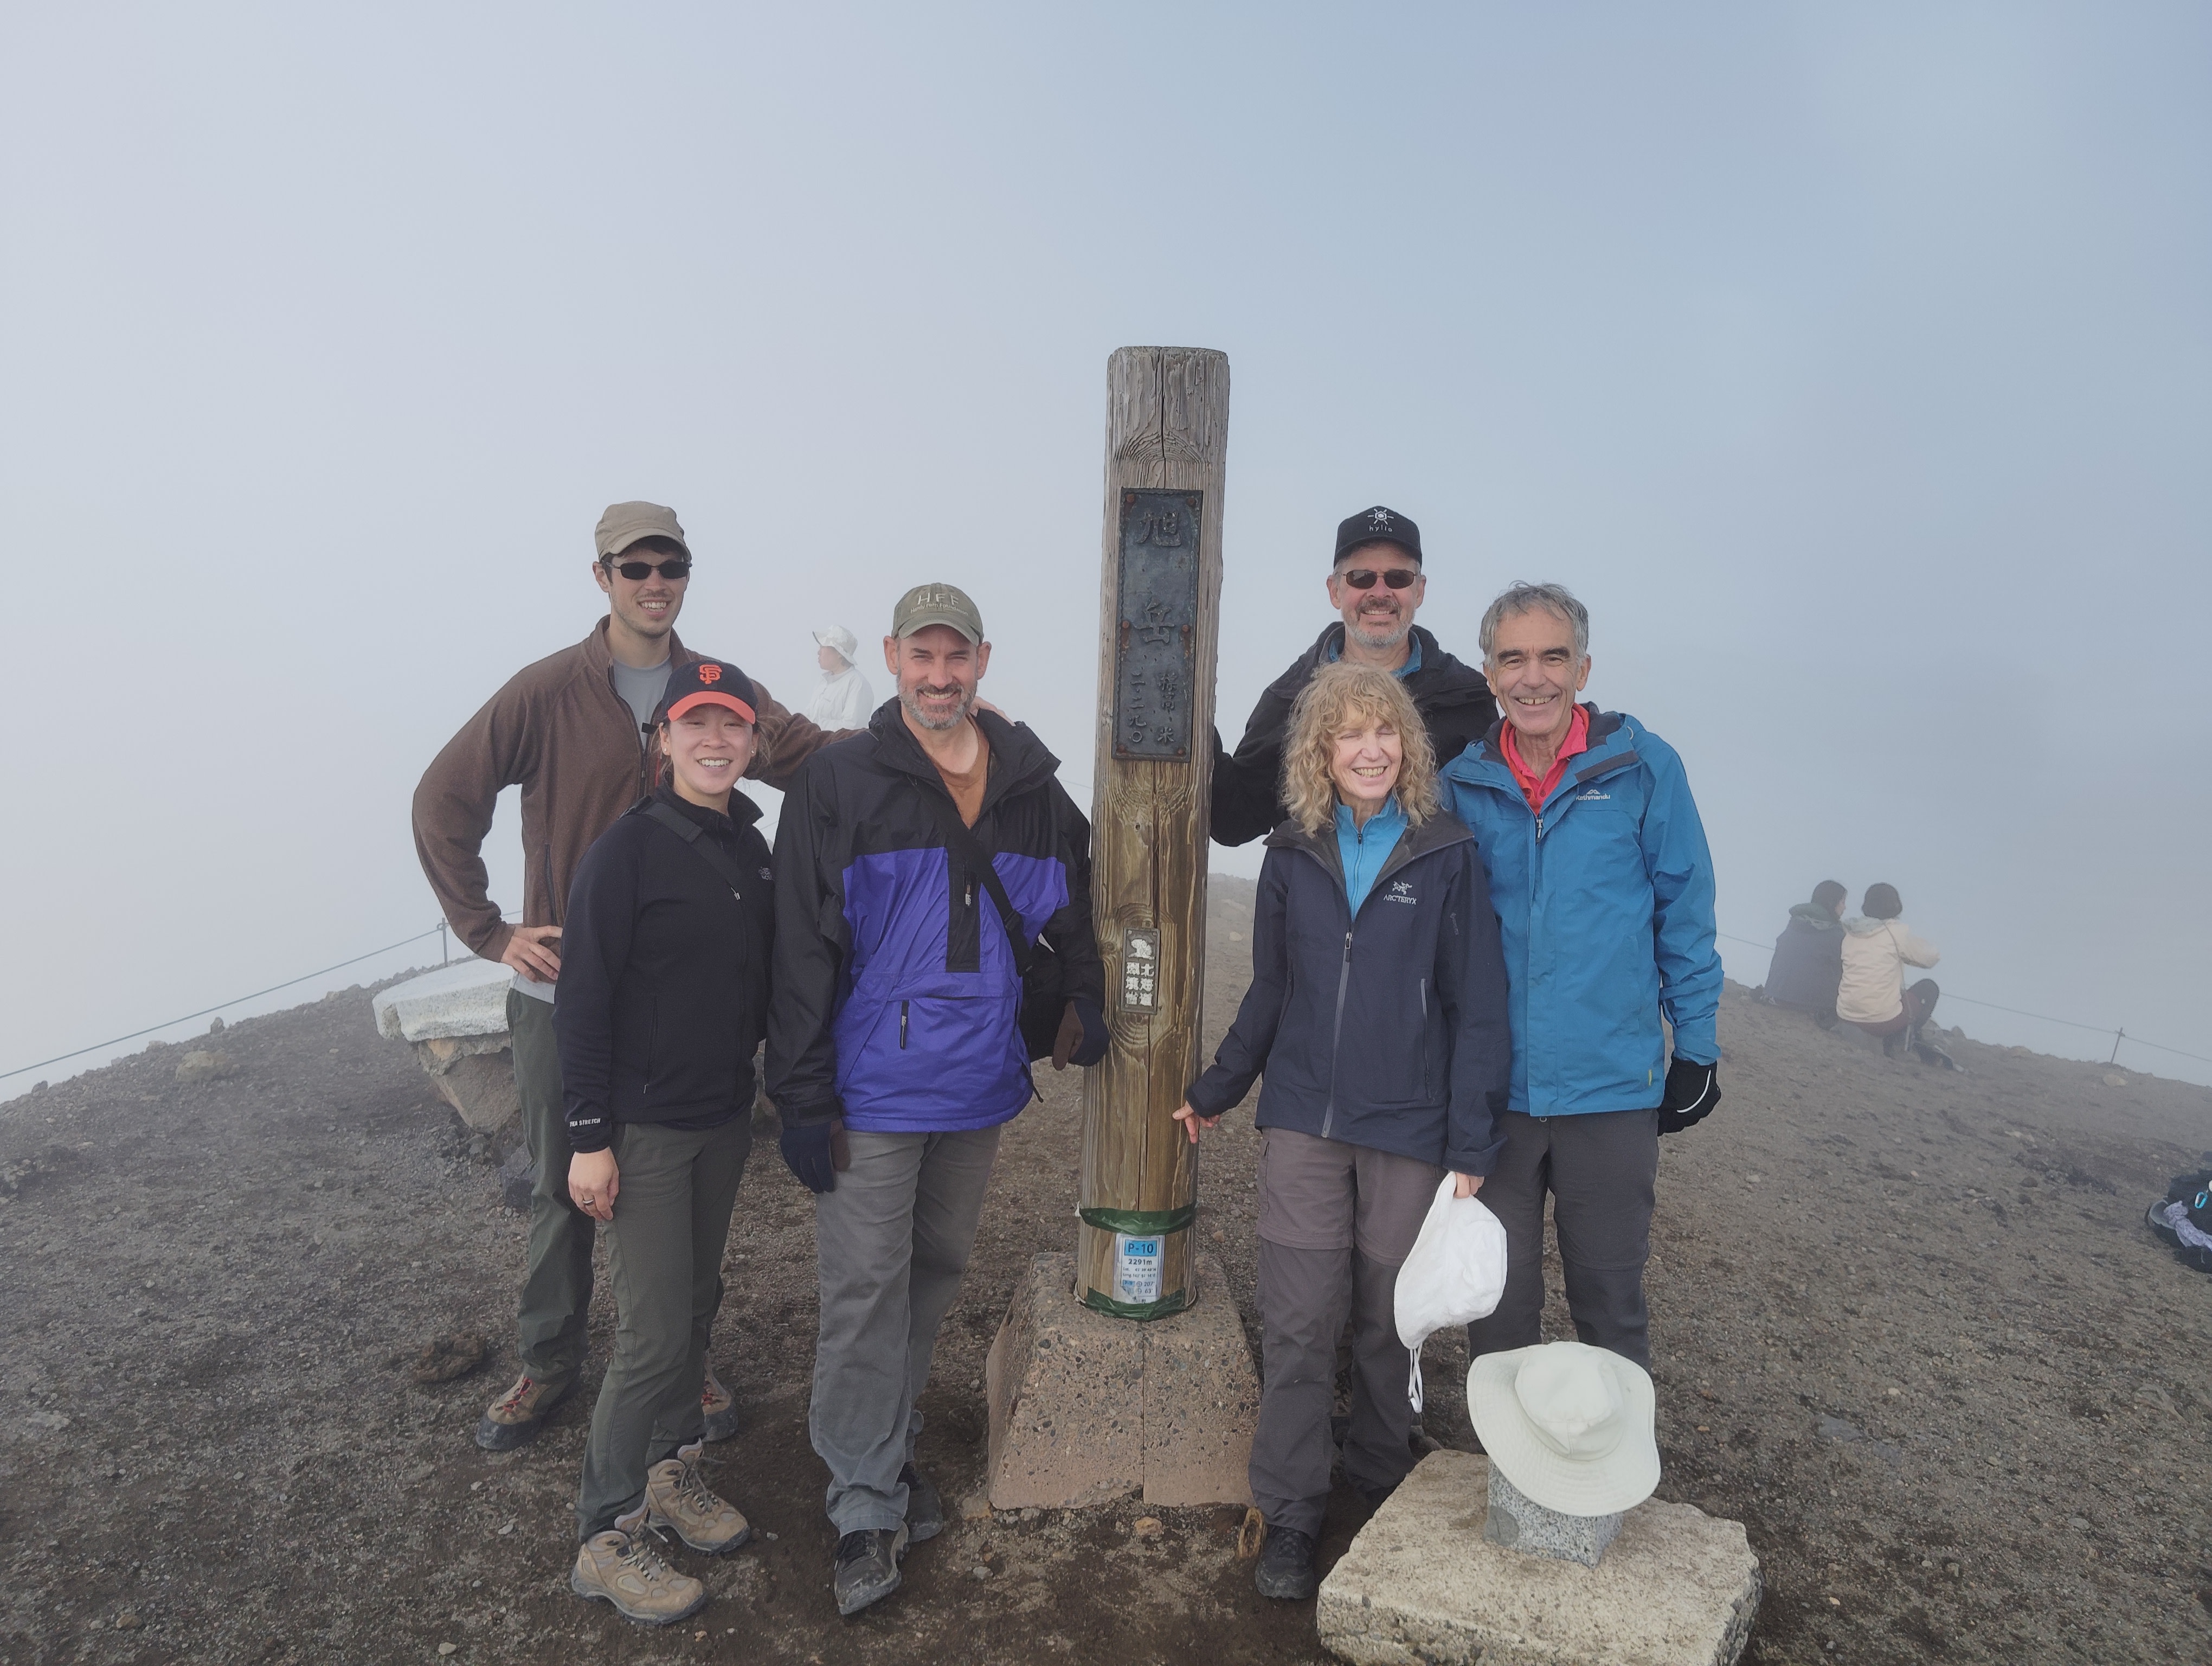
(516, 1416)
(677, 1495)
(719, 1406)
(618, 1567)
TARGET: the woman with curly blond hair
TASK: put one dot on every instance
(1376, 1018)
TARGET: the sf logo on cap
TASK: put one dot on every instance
(710, 674)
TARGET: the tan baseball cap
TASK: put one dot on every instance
(623, 524)
(929, 605)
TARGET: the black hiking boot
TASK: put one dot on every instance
(1286, 1566)
(867, 1567)
(924, 1507)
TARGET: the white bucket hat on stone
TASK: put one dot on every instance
(843, 640)
(1572, 1426)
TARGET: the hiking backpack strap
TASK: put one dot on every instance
(960, 838)
(708, 851)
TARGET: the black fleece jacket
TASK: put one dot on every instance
(1388, 1030)
(663, 996)
(1455, 702)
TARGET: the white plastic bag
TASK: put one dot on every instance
(1454, 1275)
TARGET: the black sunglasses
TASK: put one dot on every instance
(637, 571)
(1362, 578)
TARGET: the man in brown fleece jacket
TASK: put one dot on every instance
(573, 732)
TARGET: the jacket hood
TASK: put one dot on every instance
(1859, 925)
(1444, 678)
(1022, 760)
(1815, 916)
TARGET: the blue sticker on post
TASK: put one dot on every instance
(1137, 1267)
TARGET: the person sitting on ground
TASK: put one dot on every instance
(1808, 957)
(662, 1000)
(844, 701)
(1878, 946)
(1373, 1091)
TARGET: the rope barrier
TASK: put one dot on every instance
(22, 1070)
(2118, 1036)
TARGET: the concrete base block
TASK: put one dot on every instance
(1421, 1584)
(1086, 1408)
(468, 998)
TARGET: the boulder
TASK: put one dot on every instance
(1421, 1584)
(455, 1018)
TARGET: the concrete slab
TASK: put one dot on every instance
(455, 1018)
(468, 998)
(1421, 1584)
(1086, 1408)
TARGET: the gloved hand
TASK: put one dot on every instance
(808, 1153)
(1083, 1038)
(1692, 1091)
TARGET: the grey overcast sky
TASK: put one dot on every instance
(1853, 363)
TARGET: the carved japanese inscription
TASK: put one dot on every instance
(1158, 589)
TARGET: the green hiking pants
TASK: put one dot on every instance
(557, 1291)
(673, 1197)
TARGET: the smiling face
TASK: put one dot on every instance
(647, 606)
(1364, 765)
(707, 748)
(1377, 617)
(1536, 673)
(938, 669)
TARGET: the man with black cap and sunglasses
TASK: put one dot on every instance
(1377, 585)
(573, 732)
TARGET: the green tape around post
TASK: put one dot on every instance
(1138, 1223)
(1159, 1310)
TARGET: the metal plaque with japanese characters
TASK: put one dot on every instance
(1154, 648)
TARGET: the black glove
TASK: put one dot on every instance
(1083, 1038)
(808, 1153)
(1692, 1091)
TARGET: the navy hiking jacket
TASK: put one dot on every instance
(897, 997)
(1808, 967)
(663, 997)
(1386, 1030)
(1605, 900)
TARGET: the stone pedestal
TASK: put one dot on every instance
(455, 1018)
(1421, 1584)
(1086, 1408)
(1519, 1523)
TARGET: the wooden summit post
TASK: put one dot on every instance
(1167, 430)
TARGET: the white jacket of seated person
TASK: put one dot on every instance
(843, 701)
(1875, 954)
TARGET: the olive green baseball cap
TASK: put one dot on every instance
(929, 605)
(624, 524)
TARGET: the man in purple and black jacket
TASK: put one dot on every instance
(895, 1050)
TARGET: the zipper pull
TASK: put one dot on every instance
(1347, 945)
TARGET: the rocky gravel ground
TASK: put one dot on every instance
(1910, 1329)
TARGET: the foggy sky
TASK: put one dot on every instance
(1851, 364)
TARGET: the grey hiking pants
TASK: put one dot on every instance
(557, 1291)
(1336, 1222)
(673, 1202)
(891, 1242)
(1600, 1171)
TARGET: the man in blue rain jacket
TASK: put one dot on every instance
(1604, 891)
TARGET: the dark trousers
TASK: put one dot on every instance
(1336, 1222)
(672, 1203)
(557, 1291)
(1919, 1005)
(1600, 1171)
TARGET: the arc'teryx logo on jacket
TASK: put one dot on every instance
(897, 997)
